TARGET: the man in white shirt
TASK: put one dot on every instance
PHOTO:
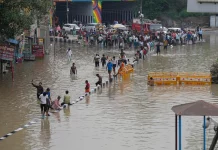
(69, 54)
(43, 99)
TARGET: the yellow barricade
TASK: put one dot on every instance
(126, 70)
(163, 78)
(172, 78)
(195, 78)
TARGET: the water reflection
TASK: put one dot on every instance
(45, 133)
(67, 111)
(87, 100)
(57, 116)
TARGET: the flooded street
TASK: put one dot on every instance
(126, 115)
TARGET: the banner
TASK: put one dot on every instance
(7, 52)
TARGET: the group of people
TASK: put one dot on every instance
(46, 102)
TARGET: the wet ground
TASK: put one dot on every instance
(127, 115)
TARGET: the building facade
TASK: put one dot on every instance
(203, 6)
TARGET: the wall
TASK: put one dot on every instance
(194, 6)
(95, 11)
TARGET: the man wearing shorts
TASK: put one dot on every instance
(43, 99)
(109, 68)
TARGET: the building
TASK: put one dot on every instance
(205, 6)
(97, 11)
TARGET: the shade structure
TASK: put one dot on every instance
(119, 26)
(198, 108)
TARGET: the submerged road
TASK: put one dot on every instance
(127, 115)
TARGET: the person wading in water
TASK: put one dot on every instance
(87, 87)
(99, 80)
(151, 81)
(39, 88)
(103, 60)
(96, 60)
(73, 69)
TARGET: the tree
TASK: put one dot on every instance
(17, 15)
(155, 8)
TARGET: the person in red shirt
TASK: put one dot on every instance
(87, 88)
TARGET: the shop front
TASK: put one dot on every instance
(6, 58)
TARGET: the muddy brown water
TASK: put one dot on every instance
(127, 115)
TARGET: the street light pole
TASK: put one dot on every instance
(67, 12)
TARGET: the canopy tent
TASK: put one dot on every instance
(119, 26)
(198, 108)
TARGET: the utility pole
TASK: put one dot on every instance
(141, 16)
(67, 12)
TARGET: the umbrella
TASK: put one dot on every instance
(119, 26)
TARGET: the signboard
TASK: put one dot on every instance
(7, 52)
(40, 41)
(38, 51)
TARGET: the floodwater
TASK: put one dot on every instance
(126, 115)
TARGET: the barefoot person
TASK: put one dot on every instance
(151, 81)
(99, 80)
(73, 69)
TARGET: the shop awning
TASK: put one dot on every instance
(13, 41)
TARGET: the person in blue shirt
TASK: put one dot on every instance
(109, 68)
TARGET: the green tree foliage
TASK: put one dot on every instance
(174, 9)
(17, 15)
